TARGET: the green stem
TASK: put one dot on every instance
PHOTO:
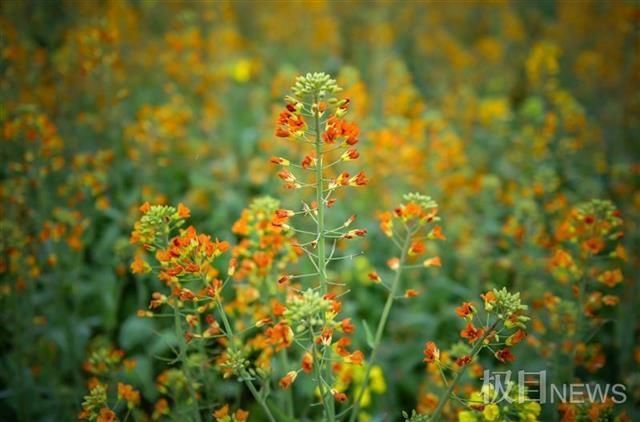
(322, 264)
(288, 393)
(322, 260)
(182, 345)
(381, 326)
(579, 317)
(317, 371)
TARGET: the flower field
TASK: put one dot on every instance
(320, 210)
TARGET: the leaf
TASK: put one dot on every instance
(369, 336)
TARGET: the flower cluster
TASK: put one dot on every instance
(587, 258)
(105, 365)
(502, 326)
(333, 137)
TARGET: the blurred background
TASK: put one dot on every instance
(506, 113)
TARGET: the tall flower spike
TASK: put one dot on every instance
(313, 116)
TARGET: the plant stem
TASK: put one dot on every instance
(317, 370)
(288, 393)
(320, 203)
(259, 398)
(381, 326)
(322, 260)
(183, 360)
(579, 317)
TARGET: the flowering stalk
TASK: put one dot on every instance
(507, 329)
(447, 394)
(594, 226)
(186, 263)
(310, 316)
(380, 329)
(416, 215)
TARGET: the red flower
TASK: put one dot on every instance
(463, 360)
(504, 355)
(307, 162)
(516, 338)
(359, 180)
(341, 397)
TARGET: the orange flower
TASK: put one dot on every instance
(139, 265)
(241, 415)
(144, 208)
(471, 333)
(307, 362)
(221, 412)
(561, 259)
(416, 248)
(183, 212)
(373, 276)
(278, 309)
(431, 352)
(593, 245)
(341, 346)
(465, 310)
(308, 162)
(338, 396)
(386, 223)
(359, 180)
(280, 335)
(505, 355)
(463, 360)
(106, 415)
(282, 133)
(516, 338)
(287, 380)
(436, 233)
(347, 326)
(409, 293)
(128, 394)
(355, 233)
(432, 262)
(356, 358)
(611, 278)
(280, 161)
(350, 154)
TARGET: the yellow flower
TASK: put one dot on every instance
(377, 383)
(242, 70)
(364, 417)
(531, 411)
(491, 412)
(476, 398)
(467, 416)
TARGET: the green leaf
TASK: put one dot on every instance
(369, 336)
